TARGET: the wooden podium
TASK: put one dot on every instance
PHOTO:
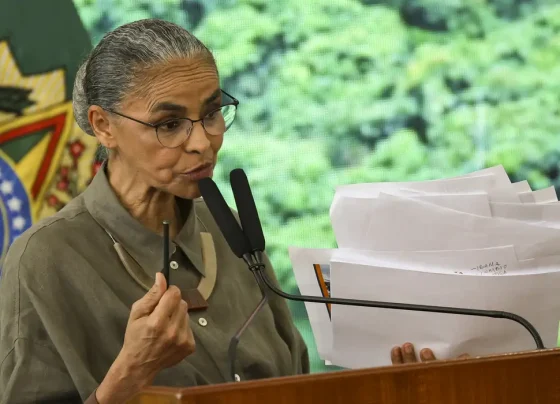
(520, 378)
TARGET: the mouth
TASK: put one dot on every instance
(199, 172)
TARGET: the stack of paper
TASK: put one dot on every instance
(477, 241)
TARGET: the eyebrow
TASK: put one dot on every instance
(213, 97)
(172, 107)
(168, 106)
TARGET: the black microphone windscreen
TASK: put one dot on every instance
(248, 214)
(224, 217)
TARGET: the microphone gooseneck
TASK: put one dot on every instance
(405, 306)
(258, 267)
(234, 342)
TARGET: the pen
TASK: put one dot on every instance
(166, 251)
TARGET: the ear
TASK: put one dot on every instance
(101, 125)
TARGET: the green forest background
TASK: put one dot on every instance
(343, 91)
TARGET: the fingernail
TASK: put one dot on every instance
(157, 281)
(408, 348)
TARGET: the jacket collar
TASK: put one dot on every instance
(141, 243)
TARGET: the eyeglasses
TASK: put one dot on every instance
(174, 132)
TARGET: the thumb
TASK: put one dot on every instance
(145, 305)
(158, 289)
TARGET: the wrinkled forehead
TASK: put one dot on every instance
(189, 82)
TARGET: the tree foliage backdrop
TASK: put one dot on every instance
(342, 91)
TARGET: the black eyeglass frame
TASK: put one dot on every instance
(155, 126)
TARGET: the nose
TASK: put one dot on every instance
(198, 141)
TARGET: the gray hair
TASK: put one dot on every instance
(113, 67)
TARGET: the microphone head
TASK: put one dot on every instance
(224, 217)
(248, 214)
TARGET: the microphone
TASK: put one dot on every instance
(225, 220)
(246, 213)
(240, 246)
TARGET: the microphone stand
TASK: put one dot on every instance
(257, 267)
(232, 350)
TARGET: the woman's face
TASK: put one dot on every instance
(184, 88)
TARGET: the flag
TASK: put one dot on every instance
(45, 159)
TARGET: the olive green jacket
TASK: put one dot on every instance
(65, 298)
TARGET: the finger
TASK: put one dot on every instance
(409, 356)
(173, 327)
(396, 356)
(181, 314)
(464, 356)
(427, 355)
(168, 304)
(150, 300)
(191, 344)
(185, 333)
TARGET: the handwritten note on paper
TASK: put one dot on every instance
(363, 337)
(489, 268)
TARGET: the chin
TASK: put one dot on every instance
(190, 191)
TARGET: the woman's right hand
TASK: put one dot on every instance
(157, 336)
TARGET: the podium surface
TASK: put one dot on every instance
(518, 378)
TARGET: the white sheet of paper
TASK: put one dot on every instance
(506, 194)
(469, 262)
(547, 215)
(502, 179)
(521, 186)
(475, 204)
(363, 337)
(526, 197)
(545, 195)
(450, 185)
(476, 184)
(485, 261)
(550, 263)
(395, 223)
(303, 261)
(447, 185)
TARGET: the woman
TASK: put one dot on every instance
(68, 297)
(85, 313)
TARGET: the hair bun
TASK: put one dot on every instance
(80, 103)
